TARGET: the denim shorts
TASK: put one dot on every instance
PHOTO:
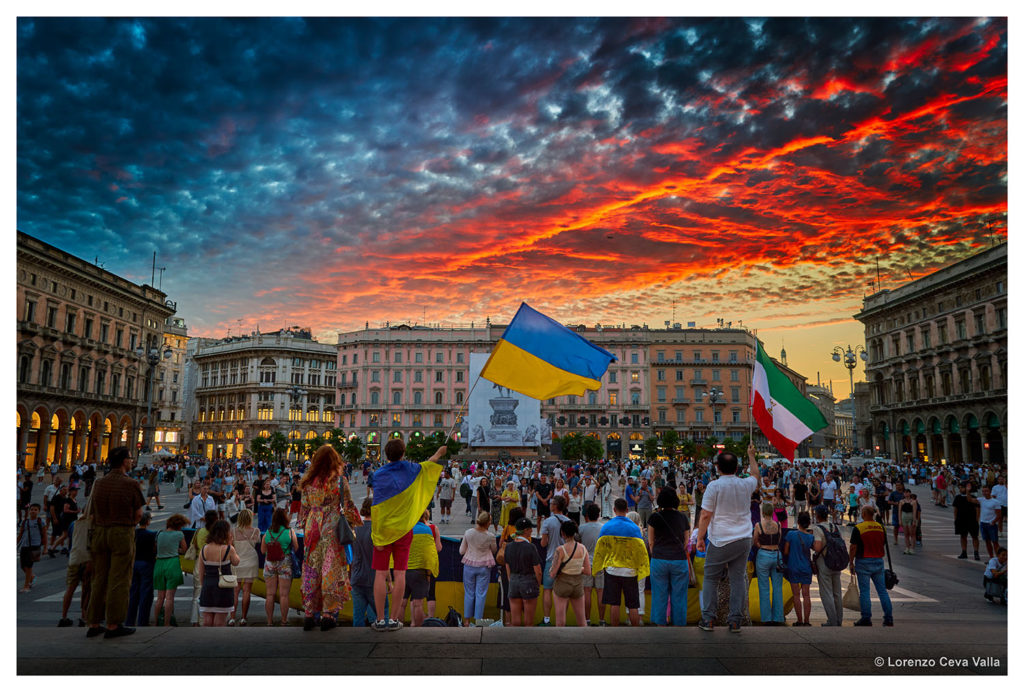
(523, 586)
(989, 532)
(549, 582)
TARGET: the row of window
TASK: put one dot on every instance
(980, 293)
(907, 341)
(88, 326)
(697, 375)
(264, 412)
(698, 394)
(417, 397)
(900, 390)
(698, 416)
(85, 383)
(698, 356)
(53, 286)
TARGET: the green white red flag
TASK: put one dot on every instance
(784, 415)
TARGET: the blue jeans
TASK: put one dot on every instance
(767, 569)
(475, 581)
(871, 570)
(140, 598)
(669, 580)
(363, 609)
(264, 515)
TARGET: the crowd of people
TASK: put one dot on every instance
(561, 536)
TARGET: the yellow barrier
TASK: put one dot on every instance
(450, 593)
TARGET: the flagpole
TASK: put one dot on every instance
(465, 403)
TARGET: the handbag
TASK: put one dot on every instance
(345, 534)
(851, 599)
(190, 554)
(891, 580)
(229, 580)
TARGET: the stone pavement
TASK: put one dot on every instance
(954, 648)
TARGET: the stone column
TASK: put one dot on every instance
(22, 439)
(928, 447)
(43, 443)
(984, 448)
(945, 446)
(964, 448)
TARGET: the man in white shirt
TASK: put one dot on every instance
(1000, 493)
(725, 522)
(989, 520)
(446, 495)
(828, 494)
(201, 503)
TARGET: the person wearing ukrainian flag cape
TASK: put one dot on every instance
(622, 554)
(401, 492)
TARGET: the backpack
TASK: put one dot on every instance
(837, 557)
(275, 551)
(453, 618)
(465, 490)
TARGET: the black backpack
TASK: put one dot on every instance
(453, 618)
(837, 557)
(465, 490)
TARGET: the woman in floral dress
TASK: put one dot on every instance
(325, 585)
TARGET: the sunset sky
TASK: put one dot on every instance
(328, 172)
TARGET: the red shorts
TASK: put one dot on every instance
(399, 549)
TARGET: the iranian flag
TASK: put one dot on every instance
(784, 415)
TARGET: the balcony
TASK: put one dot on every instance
(701, 382)
(636, 407)
(681, 401)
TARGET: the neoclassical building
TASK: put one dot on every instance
(255, 385)
(81, 386)
(410, 381)
(937, 363)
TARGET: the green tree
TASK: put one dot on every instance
(259, 449)
(425, 447)
(314, 444)
(278, 444)
(592, 449)
(353, 450)
(670, 441)
(738, 447)
(651, 445)
(688, 448)
(572, 447)
(336, 438)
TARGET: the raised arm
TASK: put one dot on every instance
(752, 457)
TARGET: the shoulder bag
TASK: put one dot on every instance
(229, 580)
(190, 554)
(345, 534)
(891, 580)
(566, 561)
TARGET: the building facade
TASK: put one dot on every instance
(252, 386)
(169, 389)
(411, 381)
(937, 363)
(823, 442)
(81, 385)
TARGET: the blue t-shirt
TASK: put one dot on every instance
(798, 563)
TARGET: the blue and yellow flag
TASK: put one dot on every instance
(621, 544)
(541, 358)
(423, 551)
(401, 492)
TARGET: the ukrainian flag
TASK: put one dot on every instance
(620, 544)
(401, 493)
(540, 358)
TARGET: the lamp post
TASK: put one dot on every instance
(849, 359)
(153, 357)
(713, 395)
(296, 393)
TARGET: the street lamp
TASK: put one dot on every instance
(849, 359)
(296, 393)
(713, 395)
(152, 357)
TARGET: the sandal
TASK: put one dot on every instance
(243, 622)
